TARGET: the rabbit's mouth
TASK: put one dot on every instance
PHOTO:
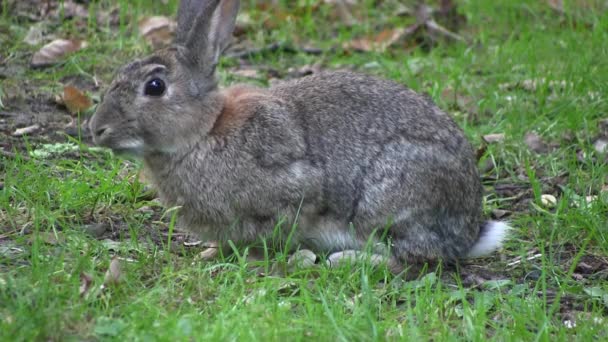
(105, 136)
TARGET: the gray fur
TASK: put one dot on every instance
(360, 159)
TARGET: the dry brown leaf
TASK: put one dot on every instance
(113, 275)
(535, 143)
(379, 42)
(158, 31)
(86, 281)
(54, 51)
(75, 100)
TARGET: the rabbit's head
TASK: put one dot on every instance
(156, 103)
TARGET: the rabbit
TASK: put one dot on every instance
(343, 160)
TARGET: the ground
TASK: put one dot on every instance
(87, 253)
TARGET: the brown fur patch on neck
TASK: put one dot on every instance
(239, 101)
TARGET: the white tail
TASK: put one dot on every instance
(491, 237)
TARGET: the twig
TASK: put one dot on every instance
(433, 26)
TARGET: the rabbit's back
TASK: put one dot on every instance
(388, 155)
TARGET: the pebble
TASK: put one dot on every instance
(548, 201)
(303, 258)
(96, 230)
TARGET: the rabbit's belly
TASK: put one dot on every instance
(324, 234)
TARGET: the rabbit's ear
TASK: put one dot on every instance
(204, 29)
(188, 9)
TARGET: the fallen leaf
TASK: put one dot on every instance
(379, 42)
(54, 51)
(86, 281)
(535, 143)
(493, 138)
(26, 130)
(113, 275)
(75, 100)
(158, 31)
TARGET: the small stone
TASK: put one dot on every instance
(209, 254)
(548, 201)
(303, 258)
(601, 145)
(113, 274)
(500, 213)
(535, 143)
(494, 138)
(146, 209)
(96, 230)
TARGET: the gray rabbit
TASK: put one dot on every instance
(347, 159)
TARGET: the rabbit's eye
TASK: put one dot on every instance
(155, 87)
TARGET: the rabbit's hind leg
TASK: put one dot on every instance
(354, 257)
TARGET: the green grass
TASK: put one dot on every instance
(167, 293)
